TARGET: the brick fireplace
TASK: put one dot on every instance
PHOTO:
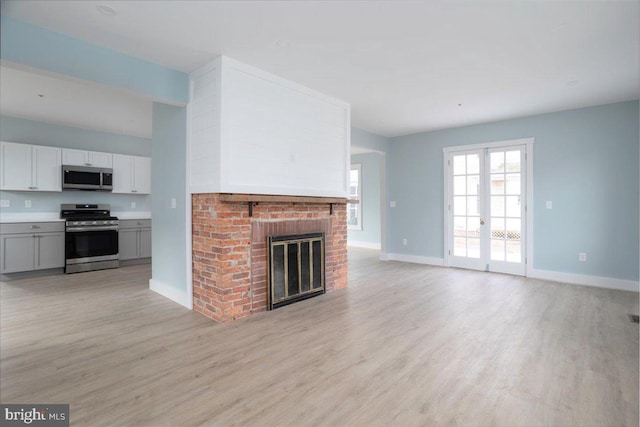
(229, 238)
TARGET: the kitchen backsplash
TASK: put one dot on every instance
(50, 201)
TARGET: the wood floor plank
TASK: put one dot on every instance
(404, 345)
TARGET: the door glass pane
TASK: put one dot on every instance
(460, 205)
(497, 162)
(473, 164)
(513, 229)
(497, 228)
(459, 165)
(497, 250)
(459, 185)
(472, 206)
(497, 205)
(473, 248)
(459, 246)
(514, 251)
(497, 184)
(513, 161)
(459, 226)
(513, 206)
(473, 181)
(513, 183)
(502, 186)
(473, 226)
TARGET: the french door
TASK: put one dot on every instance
(486, 227)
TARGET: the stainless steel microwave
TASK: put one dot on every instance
(86, 178)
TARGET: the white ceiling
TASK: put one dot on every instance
(405, 66)
(72, 102)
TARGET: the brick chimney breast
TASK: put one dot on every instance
(230, 249)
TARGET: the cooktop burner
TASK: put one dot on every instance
(86, 212)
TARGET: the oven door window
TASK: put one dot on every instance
(84, 244)
(82, 178)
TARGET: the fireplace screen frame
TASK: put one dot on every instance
(273, 301)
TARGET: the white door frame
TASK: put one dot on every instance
(528, 144)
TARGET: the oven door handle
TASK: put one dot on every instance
(96, 228)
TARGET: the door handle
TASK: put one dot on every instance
(481, 221)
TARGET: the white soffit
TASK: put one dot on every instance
(71, 102)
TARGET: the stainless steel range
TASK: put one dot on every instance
(91, 237)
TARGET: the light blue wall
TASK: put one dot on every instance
(585, 161)
(370, 202)
(169, 181)
(13, 129)
(32, 132)
(368, 140)
(37, 47)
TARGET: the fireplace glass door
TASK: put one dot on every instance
(296, 268)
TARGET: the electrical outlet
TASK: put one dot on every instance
(27, 203)
(549, 204)
(582, 257)
(404, 242)
(133, 205)
(4, 203)
(392, 204)
(173, 203)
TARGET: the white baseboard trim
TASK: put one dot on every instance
(172, 293)
(365, 245)
(412, 258)
(554, 276)
(584, 280)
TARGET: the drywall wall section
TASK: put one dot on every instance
(585, 162)
(168, 205)
(262, 134)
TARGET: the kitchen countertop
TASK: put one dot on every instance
(132, 215)
(7, 217)
(11, 217)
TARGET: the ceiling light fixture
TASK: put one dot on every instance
(106, 10)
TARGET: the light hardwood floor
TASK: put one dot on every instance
(404, 345)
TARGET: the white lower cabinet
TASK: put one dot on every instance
(31, 246)
(134, 239)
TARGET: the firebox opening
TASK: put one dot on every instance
(296, 268)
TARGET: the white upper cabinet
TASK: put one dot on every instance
(16, 166)
(141, 175)
(254, 132)
(47, 168)
(25, 167)
(131, 174)
(86, 158)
